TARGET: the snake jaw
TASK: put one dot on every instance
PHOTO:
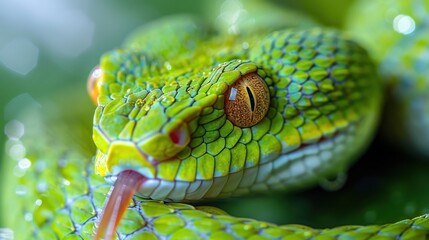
(128, 181)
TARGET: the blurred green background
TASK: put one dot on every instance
(47, 46)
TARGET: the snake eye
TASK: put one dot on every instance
(93, 83)
(247, 100)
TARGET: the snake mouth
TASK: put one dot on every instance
(120, 195)
(123, 155)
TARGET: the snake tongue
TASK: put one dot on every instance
(127, 183)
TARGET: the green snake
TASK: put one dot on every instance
(195, 116)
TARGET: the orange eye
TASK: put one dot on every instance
(93, 84)
(247, 100)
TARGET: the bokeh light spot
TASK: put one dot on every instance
(20, 55)
(404, 24)
(14, 130)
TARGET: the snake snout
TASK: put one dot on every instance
(145, 155)
(122, 155)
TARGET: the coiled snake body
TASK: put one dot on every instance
(199, 116)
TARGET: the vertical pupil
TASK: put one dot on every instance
(252, 100)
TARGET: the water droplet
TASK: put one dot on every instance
(14, 129)
(171, 98)
(167, 100)
(333, 184)
(139, 103)
(404, 24)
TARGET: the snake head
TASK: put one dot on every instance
(169, 126)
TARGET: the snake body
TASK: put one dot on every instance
(164, 110)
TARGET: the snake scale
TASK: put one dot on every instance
(200, 115)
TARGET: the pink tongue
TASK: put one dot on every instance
(125, 186)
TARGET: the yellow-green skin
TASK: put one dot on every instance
(322, 86)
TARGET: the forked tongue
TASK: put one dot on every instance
(127, 183)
